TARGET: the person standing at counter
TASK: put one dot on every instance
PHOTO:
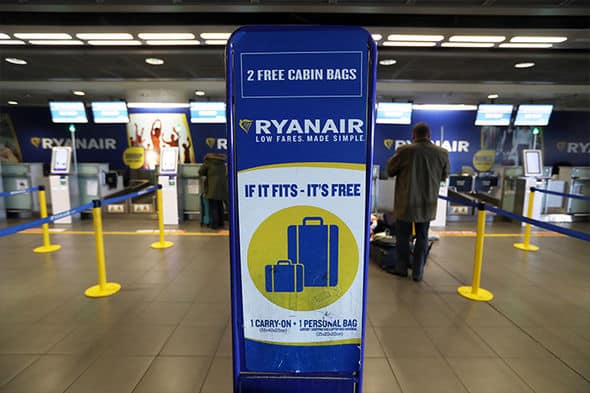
(419, 168)
(215, 186)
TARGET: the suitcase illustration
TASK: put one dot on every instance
(315, 245)
(284, 276)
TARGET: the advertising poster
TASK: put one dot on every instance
(153, 131)
(9, 148)
(301, 128)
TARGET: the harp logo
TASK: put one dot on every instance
(245, 125)
(210, 142)
(388, 143)
(35, 141)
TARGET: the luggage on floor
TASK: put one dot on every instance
(315, 246)
(383, 251)
(284, 276)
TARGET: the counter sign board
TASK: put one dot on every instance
(300, 108)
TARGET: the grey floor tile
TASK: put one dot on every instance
(193, 341)
(207, 314)
(511, 342)
(31, 339)
(406, 342)
(118, 374)
(167, 313)
(220, 377)
(82, 339)
(373, 347)
(225, 345)
(49, 374)
(426, 375)
(134, 340)
(11, 365)
(487, 375)
(390, 315)
(456, 341)
(378, 377)
(175, 375)
(548, 375)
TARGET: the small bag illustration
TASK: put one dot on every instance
(284, 276)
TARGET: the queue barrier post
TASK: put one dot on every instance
(162, 243)
(474, 292)
(103, 288)
(525, 245)
(47, 246)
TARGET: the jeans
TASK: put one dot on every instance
(403, 235)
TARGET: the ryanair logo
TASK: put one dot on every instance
(210, 142)
(388, 143)
(35, 141)
(573, 147)
(81, 143)
(245, 125)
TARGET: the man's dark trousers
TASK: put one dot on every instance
(403, 235)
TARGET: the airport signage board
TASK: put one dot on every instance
(110, 112)
(300, 114)
(68, 112)
(493, 115)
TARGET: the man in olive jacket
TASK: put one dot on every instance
(419, 168)
(215, 186)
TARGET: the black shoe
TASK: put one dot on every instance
(393, 270)
(417, 279)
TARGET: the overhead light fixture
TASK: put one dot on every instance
(444, 107)
(154, 61)
(387, 62)
(43, 36)
(215, 36)
(11, 42)
(552, 40)
(477, 38)
(12, 102)
(414, 37)
(524, 65)
(56, 42)
(4, 36)
(493, 96)
(78, 93)
(115, 43)
(166, 36)
(200, 93)
(153, 105)
(104, 36)
(404, 43)
(14, 60)
(467, 44)
(377, 37)
(532, 46)
(174, 42)
(215, 42)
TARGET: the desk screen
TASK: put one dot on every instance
(68, 112)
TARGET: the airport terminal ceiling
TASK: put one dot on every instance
(441, 72)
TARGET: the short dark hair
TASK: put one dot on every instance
(421, 130)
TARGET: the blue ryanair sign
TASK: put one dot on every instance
(300, 113)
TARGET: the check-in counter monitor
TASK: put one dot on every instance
(485, 183)
(167, 177)
(461, 183)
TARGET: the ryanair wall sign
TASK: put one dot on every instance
(300, 115)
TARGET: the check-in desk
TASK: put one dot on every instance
(191, 186)
(96, 181)
(20, 176)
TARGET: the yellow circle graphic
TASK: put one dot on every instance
(303, 258)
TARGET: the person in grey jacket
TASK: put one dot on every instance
(215, 186)
(419, 168)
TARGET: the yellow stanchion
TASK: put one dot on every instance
(526, 246)
(47, 246)
(103, 288)
(162, 243)
(474, 292)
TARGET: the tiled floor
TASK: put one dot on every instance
(168, 331)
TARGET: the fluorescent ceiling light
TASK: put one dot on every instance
(444, 107)
(200, 93)
(377, 37)
(215, 36)
(537, 46)
(14, 60)
(154, 61)
(115, 43)
(11, 42)
(215, 42)
(174, 42)
(78, 93)
(56, 42)
(166, 36)
(468, 44)
(402, 43)
(104, 36)
(524, 65)
(554, 40)
(477, 38)
(415, 37)
(387, 62)
(43, 36)
(4, 36)
(493, 96)
(156, 105)
(12, 102)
